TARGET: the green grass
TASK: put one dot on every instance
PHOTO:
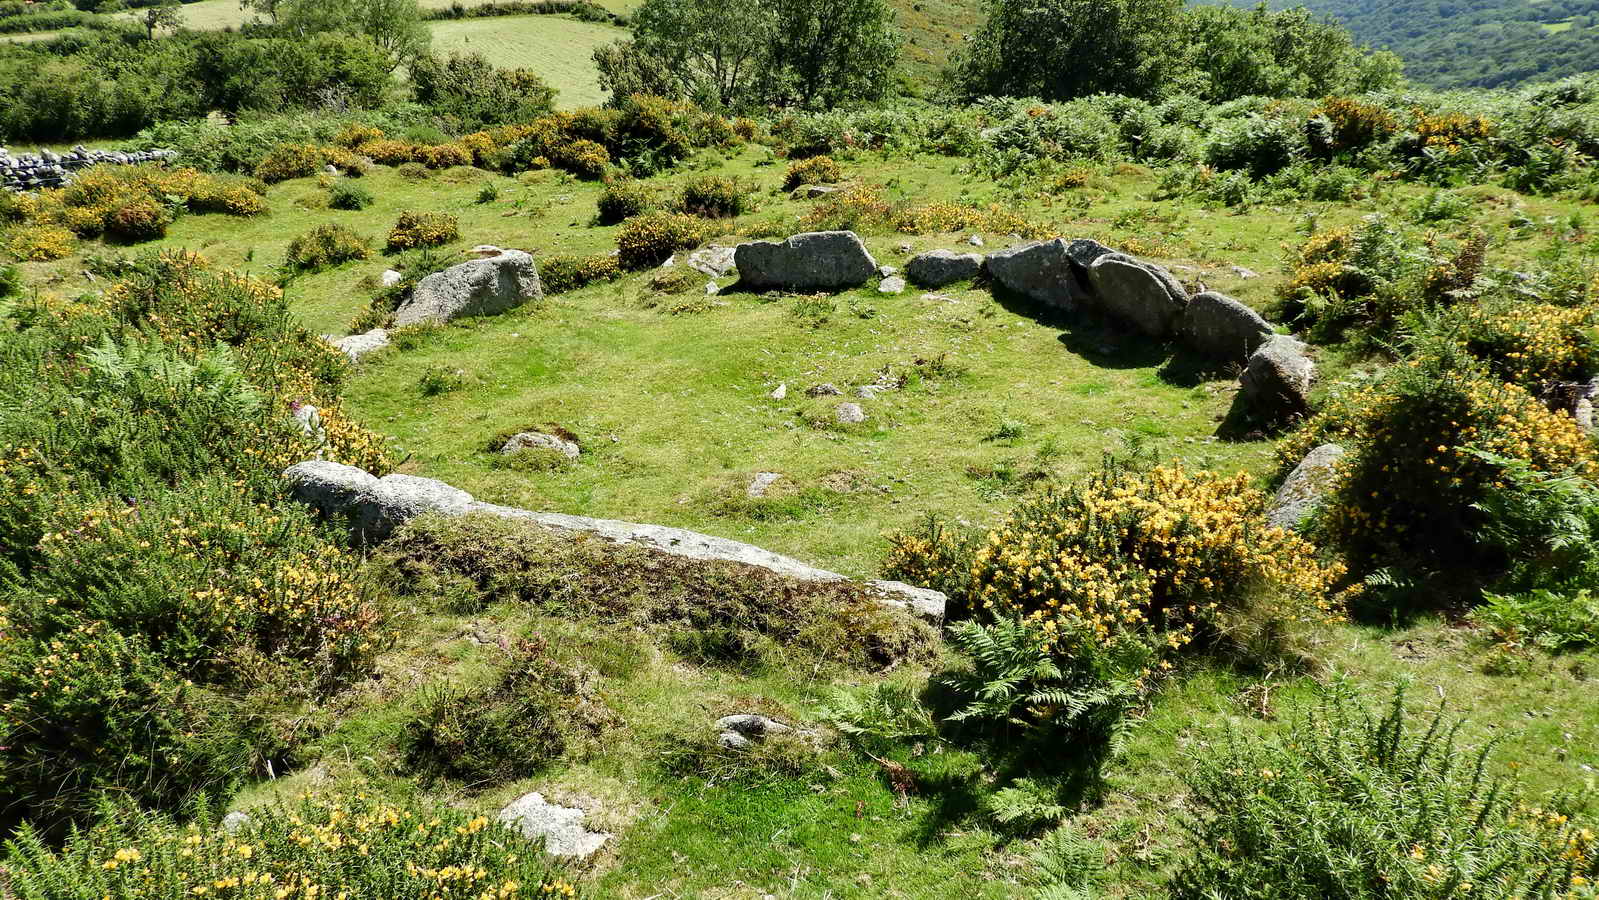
(558, 48)
(675, 414)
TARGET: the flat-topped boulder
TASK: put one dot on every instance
(1139, 293)
(376, 506)
(813, 261)
(937, 268)
(560, 828)
(1222, 328)
(481, 287)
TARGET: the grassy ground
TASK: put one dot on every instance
(670, 395)
(558, 48)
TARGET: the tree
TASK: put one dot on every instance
(740, 53)
(268, 8)
(711, 46)
(1059, 49)
(832, 51)
(627, 69)
(395, 26)
(165, 14)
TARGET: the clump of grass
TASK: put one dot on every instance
(348, 195)
(438, 380)
(325, 246)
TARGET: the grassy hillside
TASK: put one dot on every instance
(670, 394)
(558, 48)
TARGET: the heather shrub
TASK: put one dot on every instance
(367, 846)
(423, 229)
(815, 170)
(141, 221)
(622, 199)
(1357, 803)
(646, 241)
(537, 710)
(325, 246)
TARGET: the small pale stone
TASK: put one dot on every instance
(975, 241)
(894, 285)
(850, 414)
(762, 481)
(780, 392)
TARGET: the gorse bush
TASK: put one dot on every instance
(356, 845)
(1170, 557)
(713, 197)
(646, 241)
(40, 243)
(536, 711)
(1351, 803)
(560, 274)
(622, 199)
(1426, 443)
(815, 170)
(167, 607)
(131, 203)
(414, 230)
(325, 246)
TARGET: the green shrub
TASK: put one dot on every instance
(1353, 804)
(412, 171)
(1257, 144)
(622, 199)
(348, 195)
(713, 197)
(816, 170)
(560, 274)
(366, 846)
(325, 246)
(438, 380)
(288, 161)
(414, 230)
(536, 711)
(646, 241)
(10, 281)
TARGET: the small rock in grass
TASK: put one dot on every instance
(538, 440)
(762, 481)
(780, 392)
(850, 414)
(390, 278)
(561, 827)
(894, 285)
(975, 241)
(823, 390)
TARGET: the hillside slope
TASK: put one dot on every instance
(1473, 43)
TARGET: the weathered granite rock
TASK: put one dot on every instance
(356, 346)
(891, 285)
(538, 440)
(1041, 272)
(1145, 295)
(1306, 487)
(560, 827)
(937, 268)
(480, 287)
(1222, 328)
(374, 506)
(1276, 383)
(850, 414)
(816, 260)
(713, 261)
